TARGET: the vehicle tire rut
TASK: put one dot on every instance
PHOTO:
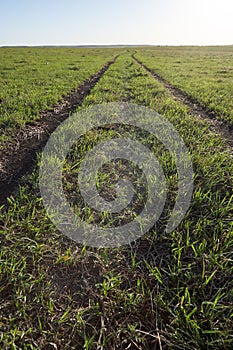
(18, 156)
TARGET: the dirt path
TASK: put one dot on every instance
(18, 156)
(195, 108)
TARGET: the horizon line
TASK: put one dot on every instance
(113, 45)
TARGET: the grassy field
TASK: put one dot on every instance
(33, 80)
(164, 291)
(204, 74)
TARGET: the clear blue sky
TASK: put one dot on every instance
(74, 22)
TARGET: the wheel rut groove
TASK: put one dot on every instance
(18, 156)
(198, 111)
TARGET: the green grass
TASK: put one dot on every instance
(35, 79)
(204, 73)
(165, 291)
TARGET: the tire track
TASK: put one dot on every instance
(195, 109)
(19, 155)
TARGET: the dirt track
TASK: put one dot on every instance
(18, 156)
(195, 108)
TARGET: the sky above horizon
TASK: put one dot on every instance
(83, 22)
